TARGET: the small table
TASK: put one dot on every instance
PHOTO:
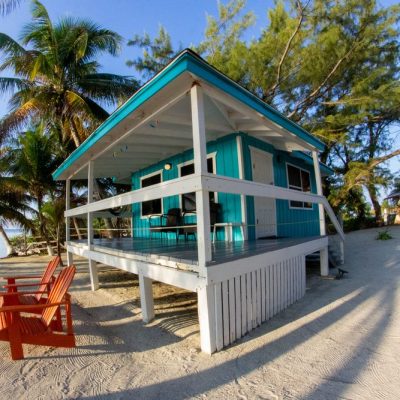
(228, 226)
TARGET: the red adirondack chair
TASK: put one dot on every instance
(18, 329)
(43, 285)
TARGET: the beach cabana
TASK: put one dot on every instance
(225, 200)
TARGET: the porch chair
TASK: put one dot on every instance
(17, 329)
(43, 286)
(170, 222)
(191, 229)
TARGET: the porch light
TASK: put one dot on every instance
(167, 166)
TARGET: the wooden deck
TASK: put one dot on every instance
(185, 253)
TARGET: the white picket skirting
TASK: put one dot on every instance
(246, 301)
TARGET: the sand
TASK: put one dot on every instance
(341, 341)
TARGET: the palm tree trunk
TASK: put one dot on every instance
(42, 227)
(6, 240)
(76, 226)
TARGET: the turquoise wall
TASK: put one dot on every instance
(290, 222)
(226, 164)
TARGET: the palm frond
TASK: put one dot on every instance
(6, 6)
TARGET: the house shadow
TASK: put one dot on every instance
(319, 312)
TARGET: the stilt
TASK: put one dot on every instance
(146, 298)
(70, 258)
(94, 278)
(206, 307)
(324, 261)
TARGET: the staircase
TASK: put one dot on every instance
(336, 256)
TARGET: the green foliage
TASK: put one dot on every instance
(384, 235)
(331, 65)
(56, 77)
(156, 53)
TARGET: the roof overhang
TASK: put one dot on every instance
(155, 122)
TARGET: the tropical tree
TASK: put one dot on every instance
(331, 65)
(31, 160)
(157, 52)
(57, 79)
(53, 212)
(14, 204)
(7, 6)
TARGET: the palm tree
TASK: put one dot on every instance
(31, 160)
(14, 206)
(57, 79)
(7, 6)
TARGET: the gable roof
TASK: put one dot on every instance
(186, 61)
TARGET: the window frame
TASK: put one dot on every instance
(213, 157)
(293, 187)
(142, 178)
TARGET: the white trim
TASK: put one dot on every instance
(231, 269)
(171, 276)
(142, 178)
(208, 182)
(318, 180)
(200, 167)
(111, 141)
(243, 202)
(213, 156)
(300, 189)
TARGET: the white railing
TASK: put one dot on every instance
(209, 182)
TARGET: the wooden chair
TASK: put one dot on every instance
(43, 285)
(169, 222)
(19, 329)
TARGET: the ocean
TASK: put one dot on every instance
(11, 232)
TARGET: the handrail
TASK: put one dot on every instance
(212, 183)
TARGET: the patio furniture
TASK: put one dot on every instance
(191, 228)
(170, 222)
(46, 279)
(19, 329)
(228, 228)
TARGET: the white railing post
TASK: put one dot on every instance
(94, 280)
(318, 180)
(243, 205)
(200, 167)
(68, 219)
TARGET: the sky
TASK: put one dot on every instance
(185, 20)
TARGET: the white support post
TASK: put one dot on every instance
(207, 321)
(243, 205)
(94, 279)
(318, 180)
(200, 167)
(146, 298)
(324, 261)
(68, 219)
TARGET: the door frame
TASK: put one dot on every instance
(263, 153)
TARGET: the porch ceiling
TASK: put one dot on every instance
(161, 127)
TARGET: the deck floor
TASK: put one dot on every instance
(186, 252)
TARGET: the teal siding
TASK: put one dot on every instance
(226, 164)
(290, 222)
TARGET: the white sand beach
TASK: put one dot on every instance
(341, 341)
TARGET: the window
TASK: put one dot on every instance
(188, 200)
(152, 206)
(299, 179)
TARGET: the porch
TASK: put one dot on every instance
(184, 255)
(159, 144)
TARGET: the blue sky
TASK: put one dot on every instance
(185, 20)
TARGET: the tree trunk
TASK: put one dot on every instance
(6, 241)
(42, 228)
(76, 226)
(375, 203)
